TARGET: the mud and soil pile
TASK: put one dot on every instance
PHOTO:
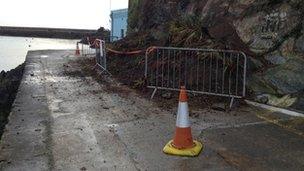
(131, 75)
(9, 83)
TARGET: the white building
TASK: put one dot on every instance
(118, 24)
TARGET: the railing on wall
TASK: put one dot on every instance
(203, 71)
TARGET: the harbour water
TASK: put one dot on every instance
(13, 50)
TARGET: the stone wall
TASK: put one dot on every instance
(270, 32)
(9, 83)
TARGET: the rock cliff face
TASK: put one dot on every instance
(270, 32)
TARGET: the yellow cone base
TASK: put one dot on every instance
(190, 152)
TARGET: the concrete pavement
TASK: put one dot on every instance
(63, 119)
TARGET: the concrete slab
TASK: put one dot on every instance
(65, 120)
(24, 144)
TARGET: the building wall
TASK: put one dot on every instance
(119, 23)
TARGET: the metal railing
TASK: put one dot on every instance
(97, 49)
(87, 49)
(101, 55)
(204, 71)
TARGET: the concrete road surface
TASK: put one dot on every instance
(65, 120)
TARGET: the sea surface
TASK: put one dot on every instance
(13, 50)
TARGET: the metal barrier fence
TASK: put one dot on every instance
(204, 71)
(101, 55)
(96, 49)
(87, 49)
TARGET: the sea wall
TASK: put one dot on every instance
(52, 32)
(9, 83)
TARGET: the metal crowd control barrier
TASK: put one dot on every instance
(87, 50)
(96, 49)
(101, 58)
(204, 71)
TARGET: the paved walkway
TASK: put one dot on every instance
(64, 120)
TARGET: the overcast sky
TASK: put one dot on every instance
(85, 14)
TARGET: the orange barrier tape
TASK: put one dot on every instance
(96, 44)
(93, 43)
(125, 53)
(150, 49)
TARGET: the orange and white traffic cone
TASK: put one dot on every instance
(77, 52)
(183, 143)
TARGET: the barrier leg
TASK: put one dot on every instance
(153, 94)
(231, 102)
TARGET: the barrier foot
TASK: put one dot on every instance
(231, 102)
(94, 67)
(153, 94)
(189, 152)
(102, 69)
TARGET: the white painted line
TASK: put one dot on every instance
(275, 109)
(235, 126)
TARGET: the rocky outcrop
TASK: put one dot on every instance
(9, 83)
(270, 32)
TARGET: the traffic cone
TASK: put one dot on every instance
(183, 143)
(77, 50)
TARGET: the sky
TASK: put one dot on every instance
(85, 14)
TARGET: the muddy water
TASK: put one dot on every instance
(13, 50)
